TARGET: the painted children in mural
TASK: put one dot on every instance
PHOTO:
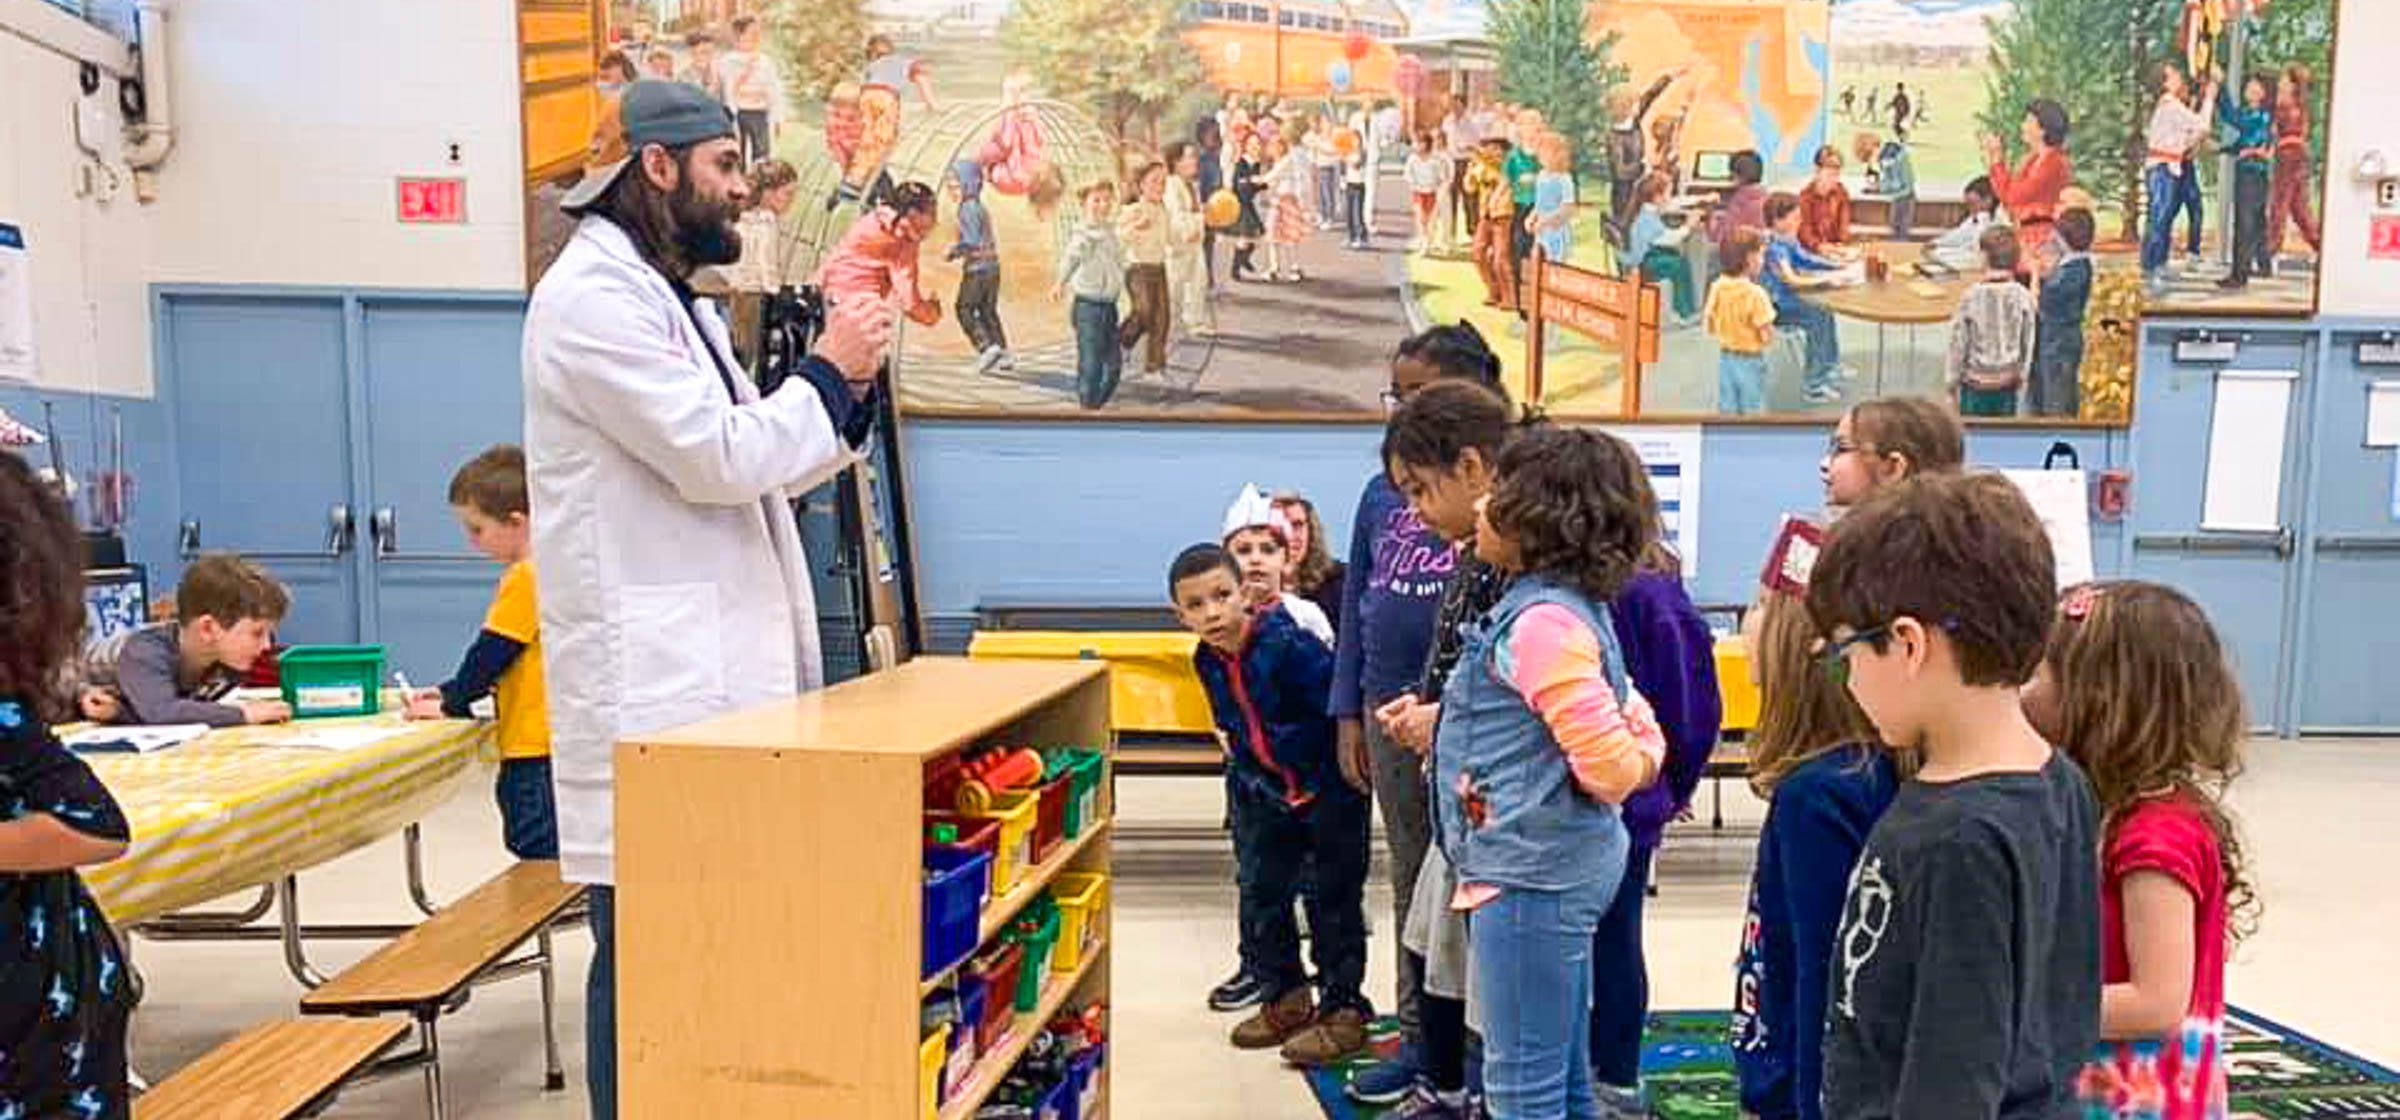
(660, 63)
(1741, 318)
(1892, 176)
(2169, 180)
(1523, 166)
(1487, 183)
(1825, 203)
(1648, 255)
(1187, 229)
(2287, 198)
(1460, 137)
(1249, 182)
(1427, 174)
(1015, 157)
(1553, 220)
(1744, 206)
(1666, 140)
(751, 84)
(1961, 246)
(1091, 268)
(877, 257)
(1991, 340)
(1791, 268)
(1324, 157)
(977, 252)
(1903, 111)
(616, 72)
(1142, 226)
(1287, 184)
(1209, 138)
(2250, 127)
(1357, 150)
(2063, 294)
(2030, 192)
(702, 70)
(1626, 111)
(887, 73)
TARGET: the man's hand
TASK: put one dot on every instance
(855, 340)
(1350, 749)
(265, 711)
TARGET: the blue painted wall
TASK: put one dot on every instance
(83, 427)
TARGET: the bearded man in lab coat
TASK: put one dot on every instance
(669, 567)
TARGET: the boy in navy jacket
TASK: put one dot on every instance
(1267, 682)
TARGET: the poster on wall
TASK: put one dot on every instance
(1672, 455)
(1300, 184)
(17, 358)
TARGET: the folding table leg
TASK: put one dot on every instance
(554, 1076)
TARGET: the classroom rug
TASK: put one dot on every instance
(2278, 1073)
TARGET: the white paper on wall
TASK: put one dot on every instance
(17, 358)
(2383, 414)
(1673, 456)
(2244, 491)
(2061, 499)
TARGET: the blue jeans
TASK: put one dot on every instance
(1824, 339)
(1741, 382)
(2158, 230)
(1099, 361)
(1904, 217)
(1621, 979)
(1329, 194)
(1532, 956)
(1354, 211)
(600, 1006)
(528, 808)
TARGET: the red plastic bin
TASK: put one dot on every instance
(999, 970)
(1050, 823)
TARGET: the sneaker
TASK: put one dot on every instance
(1847, 373)
(1007, 360)
(1423, 1103)
(1620, 1103)
(988, 359)
(1237, 992)
(2229, 284)
(1332, 1038)
(1822, 394)
(1390, 1080)
(1278, 1022)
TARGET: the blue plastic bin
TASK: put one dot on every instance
(1084, 1071)
(1059, 1102)
(955, 881)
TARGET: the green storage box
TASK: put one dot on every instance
(1083, 797)
(1036, 933)
(322, 681)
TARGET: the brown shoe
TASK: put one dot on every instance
(1276, 1021)
(1335, 1037)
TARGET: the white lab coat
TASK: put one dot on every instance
(672, 583)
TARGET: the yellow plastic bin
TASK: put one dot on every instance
(1080, 899)
(1016, 813)
(932, 1054)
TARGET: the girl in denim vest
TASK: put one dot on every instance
(1542, 737)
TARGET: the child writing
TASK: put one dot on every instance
(1966, 981)
(2064, 294)
(1791, 267)
(1991, 340)
(179, 672)
(1741, 317)
(65, 992)
(1961, 246)
(1267, 682)
(1813, 757)
(505, 660)
(1092, 266)
(1825, 203)
(2176, 893)
(1541, 738)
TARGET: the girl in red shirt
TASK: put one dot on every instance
(2136, 686)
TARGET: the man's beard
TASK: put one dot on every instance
(704, 227)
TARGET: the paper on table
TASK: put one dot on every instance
(141, 740)
(345, 738)
(2383, 414)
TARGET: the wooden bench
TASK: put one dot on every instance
(429, 970)
(288, 1069)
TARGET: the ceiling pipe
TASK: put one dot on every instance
(154, 138)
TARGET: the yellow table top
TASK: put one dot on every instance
(1156, 691)
(224, 813)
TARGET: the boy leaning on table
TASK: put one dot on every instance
(505, 660)
(181, 671)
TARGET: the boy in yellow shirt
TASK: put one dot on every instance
(505, 661)
(1741, 315)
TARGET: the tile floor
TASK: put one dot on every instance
(2325, 962)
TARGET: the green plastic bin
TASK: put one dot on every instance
(1035, 932)
(323, 681)
(1083, 797)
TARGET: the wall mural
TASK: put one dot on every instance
(1295, 185)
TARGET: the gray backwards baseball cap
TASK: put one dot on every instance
(670, 114)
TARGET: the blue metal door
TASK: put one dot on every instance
(2351, 607)
(441, 384)
(261, 405)
(2245, 580)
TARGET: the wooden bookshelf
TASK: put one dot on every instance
(769, 885)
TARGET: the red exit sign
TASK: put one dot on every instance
(438, 201)
(2383, 237)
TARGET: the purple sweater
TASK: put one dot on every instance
(1398, 569)
(1671, 656)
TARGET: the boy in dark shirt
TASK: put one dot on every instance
(1966, 973)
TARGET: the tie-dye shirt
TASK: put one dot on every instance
(1613, 745)
(2181, 1077)
(64, 993)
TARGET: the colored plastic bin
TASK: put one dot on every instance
(1083, 800)
(1080, 899)
(973, 1001)
(1050, 825)
(1018, 815)
(931, 1053)
(966, 834)
(1084, 1071)
(999, 971)
(955, 881)
(323, 681)
(1037, 941)
(1059, 1102)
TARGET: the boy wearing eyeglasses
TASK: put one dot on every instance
(1965, 979)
